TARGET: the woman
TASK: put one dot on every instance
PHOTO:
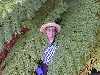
(50, 30)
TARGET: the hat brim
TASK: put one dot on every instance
(44, 26)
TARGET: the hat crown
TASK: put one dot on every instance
(44, 26)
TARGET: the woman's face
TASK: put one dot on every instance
(51, 32)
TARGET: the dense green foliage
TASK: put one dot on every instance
(78, 35)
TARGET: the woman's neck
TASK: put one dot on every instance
(50, 41)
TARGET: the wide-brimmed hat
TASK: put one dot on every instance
(44, 26)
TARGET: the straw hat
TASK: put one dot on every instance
(43, 27)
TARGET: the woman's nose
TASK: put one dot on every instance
(52, 32)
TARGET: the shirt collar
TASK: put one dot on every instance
(49, 44)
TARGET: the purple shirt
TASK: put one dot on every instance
(49, 52)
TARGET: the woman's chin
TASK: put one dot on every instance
(51, 37)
